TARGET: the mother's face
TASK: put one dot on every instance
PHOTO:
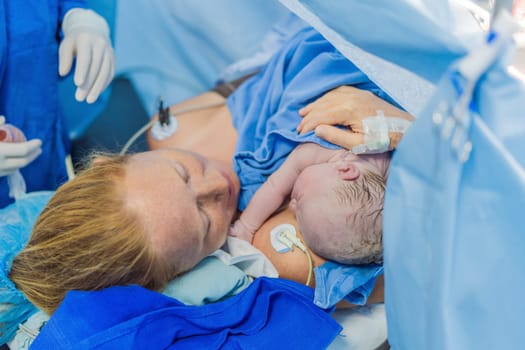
(185, 201)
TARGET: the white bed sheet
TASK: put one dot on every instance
(364, 328)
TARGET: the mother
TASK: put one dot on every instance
(144, 218)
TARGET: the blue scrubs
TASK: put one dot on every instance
(29, 85)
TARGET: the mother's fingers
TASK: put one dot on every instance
(341, 137)
(306, 109)
(334, 115)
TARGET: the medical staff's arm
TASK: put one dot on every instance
(347, 106)
(279, 185)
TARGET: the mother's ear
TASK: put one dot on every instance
(347, 170)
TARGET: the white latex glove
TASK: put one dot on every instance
(14, 156)
(86, 37)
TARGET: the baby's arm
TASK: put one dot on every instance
(272, 193)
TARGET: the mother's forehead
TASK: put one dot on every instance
(167, 153)
(154, 154)
(157, 194)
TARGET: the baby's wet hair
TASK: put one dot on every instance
(360, 241)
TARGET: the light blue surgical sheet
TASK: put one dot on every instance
(388, 40)
(177, 49)
(453, 231)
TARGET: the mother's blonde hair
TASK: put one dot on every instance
(87, 239)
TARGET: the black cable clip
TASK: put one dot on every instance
(164, 113)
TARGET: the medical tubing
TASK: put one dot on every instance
(310, 262)
(136, 136)
(148, 125)
(290, 240)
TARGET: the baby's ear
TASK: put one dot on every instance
(347, 170)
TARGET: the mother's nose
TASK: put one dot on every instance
(211, 187)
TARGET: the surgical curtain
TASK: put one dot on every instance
(453, 228)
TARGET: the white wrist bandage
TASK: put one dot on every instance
(376, 130)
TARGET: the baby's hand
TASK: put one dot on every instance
(241, 231)
(346, 106)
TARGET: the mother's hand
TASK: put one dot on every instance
(346, 106)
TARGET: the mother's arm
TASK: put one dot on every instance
(348, 106)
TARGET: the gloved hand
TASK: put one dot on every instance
(14, 156)
(86, 36)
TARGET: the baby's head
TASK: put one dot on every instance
(339, 207)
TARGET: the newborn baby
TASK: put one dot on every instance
(337, 198)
